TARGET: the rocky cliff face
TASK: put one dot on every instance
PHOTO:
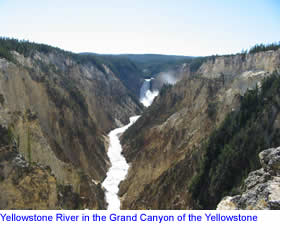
(60, 107)
(165, 146)
(23, 185)
(261, 188)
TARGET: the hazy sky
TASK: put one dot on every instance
(182, 27)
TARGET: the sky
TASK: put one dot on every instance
(180, 27)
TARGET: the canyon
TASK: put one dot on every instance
(63, 115)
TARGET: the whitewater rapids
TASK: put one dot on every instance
(119, 167)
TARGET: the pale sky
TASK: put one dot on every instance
(181, 27)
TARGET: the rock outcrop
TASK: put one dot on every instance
(261, 188)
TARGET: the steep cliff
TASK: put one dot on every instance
(167, 145)
(59, 107)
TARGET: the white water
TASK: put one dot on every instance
(146, 95)
(119, 168)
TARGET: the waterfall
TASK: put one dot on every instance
(146, 95)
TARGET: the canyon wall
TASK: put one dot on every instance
(59, 108)
(167, 145)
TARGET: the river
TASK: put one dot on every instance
(119, 166)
